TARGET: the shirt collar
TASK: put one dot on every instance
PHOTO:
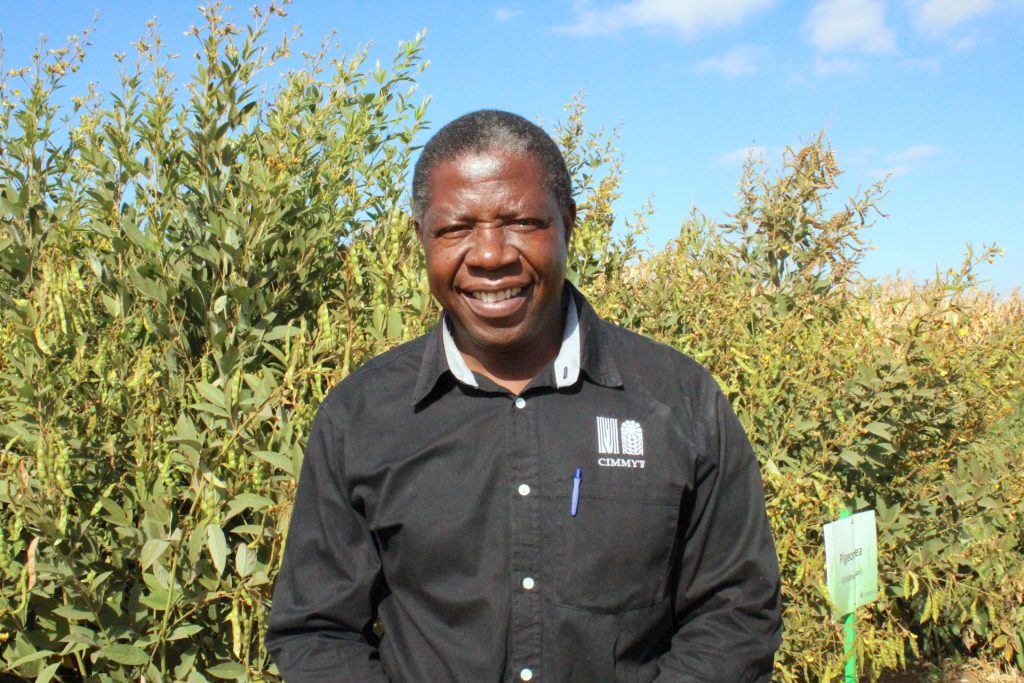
(597, 357)
(567, 362)
(584, 347)
(456, 363)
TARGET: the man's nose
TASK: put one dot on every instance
(491, 248)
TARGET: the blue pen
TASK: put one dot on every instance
(576, 490)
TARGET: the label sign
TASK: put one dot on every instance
(851, 562)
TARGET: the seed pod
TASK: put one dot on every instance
(61, 467)
(40, 344)
(236, 631)
(62, 518)
(61, 313)
(42, 467)
(134, 327)
(257, 475)
(5, 553)
(324, 326)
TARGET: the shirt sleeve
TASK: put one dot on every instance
(324, 605)
(727, 598)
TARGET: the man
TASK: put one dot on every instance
(527, 492)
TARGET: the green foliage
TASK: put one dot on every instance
(183, 277)
(185, 272)
(856, 394)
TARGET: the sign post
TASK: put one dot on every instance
(851, 569)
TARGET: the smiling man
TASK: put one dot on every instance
(527, 493)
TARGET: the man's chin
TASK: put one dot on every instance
(495, 339)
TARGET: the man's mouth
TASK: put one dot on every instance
(495, 297)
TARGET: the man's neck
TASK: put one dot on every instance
(514, 369)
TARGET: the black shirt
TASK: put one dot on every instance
(439, 501)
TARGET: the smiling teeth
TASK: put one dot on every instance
(494, 297)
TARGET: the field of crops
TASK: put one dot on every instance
(193, 261)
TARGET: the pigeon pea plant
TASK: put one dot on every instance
(187, 265)
(184, 273)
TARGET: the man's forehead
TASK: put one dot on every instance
(487, 171)
(476, 175)
(485, 163)
(480, 164)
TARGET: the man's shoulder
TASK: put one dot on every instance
(639, 354)
(667, 375)
(386, 376)
(400, 360)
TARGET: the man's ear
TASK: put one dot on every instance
(419, 231)
(569, 221)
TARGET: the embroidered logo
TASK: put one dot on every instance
(616, 439)
(632, 438)
(608, 435)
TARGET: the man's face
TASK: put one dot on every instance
(495, 245)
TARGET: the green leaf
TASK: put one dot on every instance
(211, 393)
(112, 305)
(184, 631)
(35, 656)
(99, 580)
(244, 501)
(151, 551)
(115, 513)
(227, 671)
(72, 613)
(281, 462)
(153, 290)
(395, 323)
(218, 546)
(122, 654)
(211, 409)
(156, 600)
(185, 430)
(46, 674)
(880, 429)
(281, 332)
(245, 560)
(851, 457)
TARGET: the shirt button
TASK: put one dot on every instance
(524, 489)
(526, 674)
(528, 583)
(520, 403)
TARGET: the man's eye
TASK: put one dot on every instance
(452, 231)
(527, 224)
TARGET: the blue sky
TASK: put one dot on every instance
(929, 91)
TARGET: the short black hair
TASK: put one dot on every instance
(488, 130)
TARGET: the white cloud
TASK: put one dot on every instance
(505, 14)
(831, 66)
(922, 63)
(739, 156)
(963, 44)
(938, 17)
(910, 159)
(687, 17)
(853, 25)
(859, 156)
(913, 154)
(891, 171)
(739, 61)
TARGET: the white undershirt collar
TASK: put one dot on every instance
(566, 365)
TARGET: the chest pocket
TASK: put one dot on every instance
(615, 554)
